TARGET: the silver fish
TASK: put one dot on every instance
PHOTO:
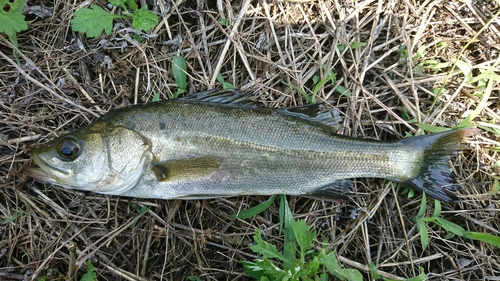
(193, 149)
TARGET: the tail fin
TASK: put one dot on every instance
(434, 176)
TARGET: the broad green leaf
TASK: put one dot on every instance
(252, 212)
(143, 19)
(252, 269)
(314, 265)
(132, 4)
(483, 237)
(118, 3)
(300, 229)
(11, 17)
(331, 263)
(349, 274)
(194, 278)
(93, 21)
(179, 70)
(265, 249)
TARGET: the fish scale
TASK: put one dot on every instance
(191, 149)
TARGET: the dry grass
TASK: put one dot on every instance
(60, 86)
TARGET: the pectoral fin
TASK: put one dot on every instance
(186, 169)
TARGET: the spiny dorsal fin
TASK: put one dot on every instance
(184, 169)
(316, 112)
(226, 96)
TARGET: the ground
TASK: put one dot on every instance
(389, 67)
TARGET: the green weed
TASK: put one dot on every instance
(12, 19)
(95, 20)
(225, 85)
(17, 215)
(179, 70)
(449, 226)
(91, 275)
(319, 84)
(53, 275)
(299, 259)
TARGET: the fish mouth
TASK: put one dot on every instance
(44, 172)
(38, 174)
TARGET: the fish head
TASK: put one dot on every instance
(102, 160)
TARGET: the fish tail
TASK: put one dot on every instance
(434, 176)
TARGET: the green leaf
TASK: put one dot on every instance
(118, 3)
(483, 237)
(267, 250)
(423, 206)
(93, 21)
(224, 22)
(90, 275)
(300, 230)
(349, 274)
(252, 212)
(132, 4)
(289, 247)
(144, 19)
(374, 271)
(431, 128)
(437, 208)
(449, 226)
(194, 278)
(331, 263)
(252, 269)
(357, 45)
(17, 215)
(304, 94)
(320, 85)
(11, 17)
(420, 277)
(179, 70)
(424, 234)
(156, 97)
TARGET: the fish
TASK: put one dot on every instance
(220, 147)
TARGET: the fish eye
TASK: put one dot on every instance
(68, 149)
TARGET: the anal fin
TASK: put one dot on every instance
(339, 189)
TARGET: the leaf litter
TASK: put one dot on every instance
(263, 47)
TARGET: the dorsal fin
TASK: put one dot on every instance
(316, 112)
(226, 96)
